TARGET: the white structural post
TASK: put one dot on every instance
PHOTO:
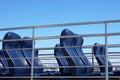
(33, 42)
(106, 46)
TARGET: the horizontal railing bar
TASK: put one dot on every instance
(115, 58)
(48, 77)
(61, 25)
(49, 63)
(54, 67)
(51, 54)
(84, 46)
(53, 57)
(78, 23)
(67, 56)
(115, 63)
(75, 77)
(114, 55)
(114, 52)
(51, 48)
(58, 37)
(2, 78)
(71, 77)
(114, 76)
(13, 40)
(76, 36)
(16, 28)
(89, 57)
(113, 45)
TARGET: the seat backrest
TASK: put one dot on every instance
(3, 64)
(78, 42)
(100, 55)
(12, 50)
(27, 51)
(103, 53)
(61, 59)
(73, 59)
(2, 69)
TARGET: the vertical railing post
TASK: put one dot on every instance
(32, 63)
(106, 46)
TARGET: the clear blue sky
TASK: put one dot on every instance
(16, 13)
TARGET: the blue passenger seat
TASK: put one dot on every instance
(73, 59)
(78, 41)
(12, 50)
(100, 55)
(61, 59)
(27, 52)
(99, 52)
(77, 59)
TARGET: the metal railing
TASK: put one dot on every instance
(45, 42)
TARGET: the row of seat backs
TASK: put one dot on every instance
(71, 53)
(64, 42)
(18, 58)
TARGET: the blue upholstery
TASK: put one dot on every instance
(61, 59)
(2, 68)
(14, 49)
(78, 42)
(27, 51)
(71, 52)
(15, 55)
(3, 64)
(103, 53)
(99, 52)
(74, 51)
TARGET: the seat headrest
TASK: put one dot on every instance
(78, 41)
(67, 41)
(12, 36)
(66, 32)
(27, 43)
